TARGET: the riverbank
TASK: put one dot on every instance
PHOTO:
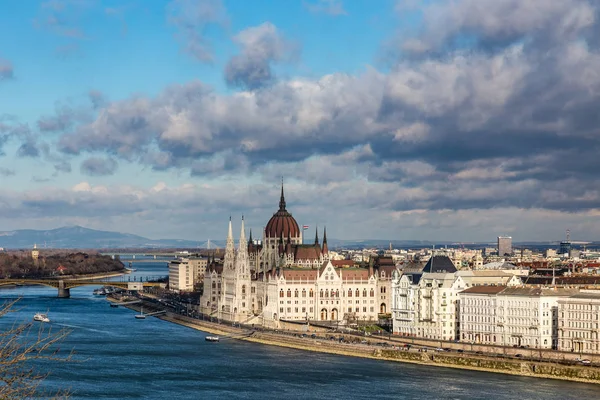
(390, 352)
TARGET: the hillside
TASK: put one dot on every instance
(77, 237)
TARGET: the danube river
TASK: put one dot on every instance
(119, 357)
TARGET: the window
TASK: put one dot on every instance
(281, 295)
(296, 293)
(372, 293)
(357, 293)
(364, 292)
(289, 293)
(349, 292)
(311, 294)
(303, 292)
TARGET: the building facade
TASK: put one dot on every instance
(282, 279)
(579, 319)
(504, 246)
(181, 276)
(426, 304)
(478, 314)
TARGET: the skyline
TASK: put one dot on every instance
(404, 120)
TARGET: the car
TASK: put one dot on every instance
(479, 352)
(585, 362)
(439, 349)
(460, 350)
(313, 336)
(519, 355)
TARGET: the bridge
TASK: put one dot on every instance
(64, 286)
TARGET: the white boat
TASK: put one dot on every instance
(212, 338)
(100, 292)
(141, 314)
(41, 317)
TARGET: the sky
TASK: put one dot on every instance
(434, 120)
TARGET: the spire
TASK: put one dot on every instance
(282, 198)
(325, 248)
(250, 241)
(243, 242)
(228, 261)
(317, 235)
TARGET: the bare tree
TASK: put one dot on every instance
(20, 347)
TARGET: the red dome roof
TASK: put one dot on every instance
(282, 224)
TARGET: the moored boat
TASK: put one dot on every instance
(212, 338)
(141, 314)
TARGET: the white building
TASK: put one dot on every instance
(478, 314)
(579, 319)
(426, 304)
(181, 276)
(529, 316)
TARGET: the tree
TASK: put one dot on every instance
(20, 347)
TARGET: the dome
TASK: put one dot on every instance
(282, 224)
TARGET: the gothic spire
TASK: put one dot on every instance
(250, 241)
(243, 242)
(325, 248)
(230, 244)
(317, 235)
(229, 249)
(282, 198)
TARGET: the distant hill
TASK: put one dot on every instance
(77, 237)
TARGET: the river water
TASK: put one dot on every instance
(119, 357)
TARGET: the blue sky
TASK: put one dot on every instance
(398, 119)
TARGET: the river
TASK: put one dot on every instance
(119, 357)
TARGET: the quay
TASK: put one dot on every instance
(395, 349)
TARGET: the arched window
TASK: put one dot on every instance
(326, 293)
(337, 293)
(214, 285)
(243, 289)
(289, 293)
(357, 293)
(311, 294)
(303, 292)
(321, 293)
(372, 293)
(281, 293)
(349, 292)
(382, 308)
(364, 292)
(296, 293)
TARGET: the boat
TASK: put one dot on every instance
(141, 314)
(41, 317)
(212, 338)
(100, 292)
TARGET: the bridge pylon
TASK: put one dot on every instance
(63, 292)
